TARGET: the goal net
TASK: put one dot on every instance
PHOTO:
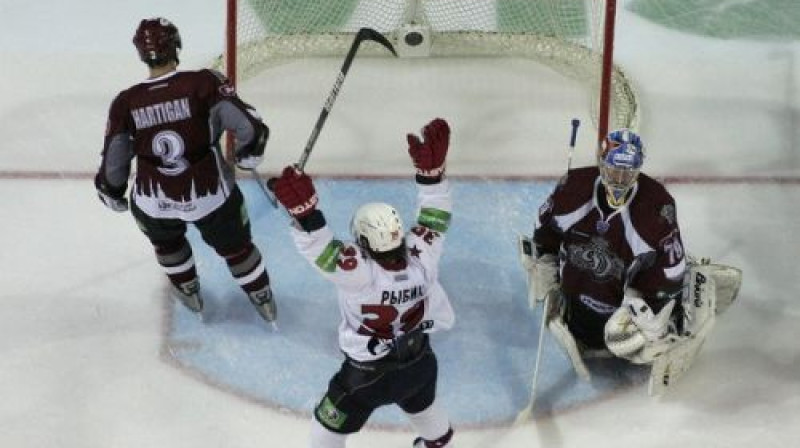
(569, 36)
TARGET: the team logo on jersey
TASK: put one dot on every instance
(596, 257)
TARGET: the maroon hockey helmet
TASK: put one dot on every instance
(157, 40)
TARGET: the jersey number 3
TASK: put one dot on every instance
(169, 147)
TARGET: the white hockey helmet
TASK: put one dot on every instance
(379, 226)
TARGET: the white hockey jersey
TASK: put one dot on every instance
(376, 304)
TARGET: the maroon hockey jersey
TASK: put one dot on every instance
(171, 126)
(602, 251)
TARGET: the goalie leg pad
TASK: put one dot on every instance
(700, 301)
(558, 328)
(700, 308)
(670, 366)
(727, 280)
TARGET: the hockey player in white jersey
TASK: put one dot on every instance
(389, 296)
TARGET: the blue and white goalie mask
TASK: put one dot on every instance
(620, 159)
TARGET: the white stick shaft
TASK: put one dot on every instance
(526, 413)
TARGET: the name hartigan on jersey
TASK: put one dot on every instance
(160, 113)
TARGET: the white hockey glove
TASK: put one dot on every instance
(637, 334)
(542, 271)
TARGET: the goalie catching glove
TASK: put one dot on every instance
(634, 332)
(295, 191)
(430, 152)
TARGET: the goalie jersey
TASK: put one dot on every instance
(379, 304)
(172, 125)
(603, 251)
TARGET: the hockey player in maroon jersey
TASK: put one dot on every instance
(606, 257)
(389, 296)
(608, 247)
(171, 125)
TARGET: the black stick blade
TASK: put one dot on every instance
(375, 36)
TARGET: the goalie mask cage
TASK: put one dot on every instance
(573, 37)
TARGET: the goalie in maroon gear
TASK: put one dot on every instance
(607, 240)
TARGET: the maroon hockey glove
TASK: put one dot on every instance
(295, 191)
(429, 153)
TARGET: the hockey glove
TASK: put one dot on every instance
(634, 332)
(250, 155)
(113, 198)
(542, 271)
(430, 152)
(295, 191)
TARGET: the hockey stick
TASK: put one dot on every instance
(573, 136)
(526, 413)
(362, 35)
(264, 188)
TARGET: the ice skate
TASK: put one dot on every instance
(189, 295)
(264, 303)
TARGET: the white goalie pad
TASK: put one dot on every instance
(567, 342)
(670, 366)
(700, 308)
(727, 280)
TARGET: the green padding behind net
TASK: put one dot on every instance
(762, 19)
(521, 15)
(316, 16)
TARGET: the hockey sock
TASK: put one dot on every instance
(247, 267)
(433, 426)
(175, 257)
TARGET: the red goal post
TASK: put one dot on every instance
(574, 37)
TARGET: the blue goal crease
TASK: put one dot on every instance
(485, 362)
